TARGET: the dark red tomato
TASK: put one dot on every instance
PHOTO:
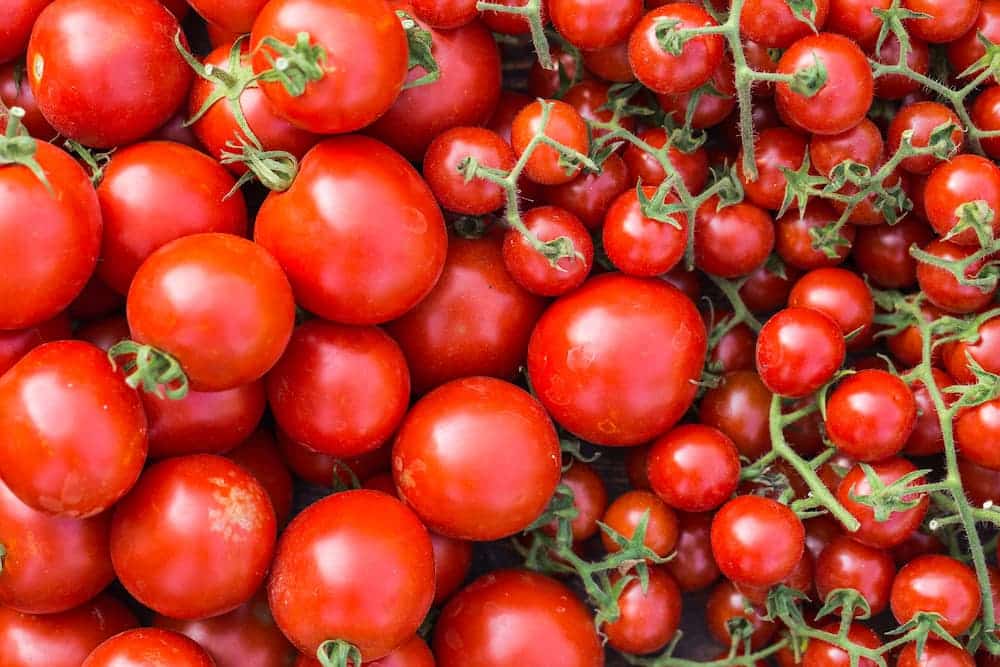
(611, 63)
(927, 438)
(694, 468)
(823, 654)
(985, 113)
(642, 246)
(800, 579)
(590, 195)
(693, 568)
(734, 350)
(982, 485)
(452, 560)
(104, 333)
(259, 456)
(149, 647)
(476, 296)
(870, 415)
(688, 282)
(882, 534)
(739, 407)
(531, 269)
(805, 435)
(626, 512)
(919, 544)
(711, 107)
(96, 300)
(756, 540)
(445, 14)
(51, 564)
(861, 144)
(363, 70)
(77, 468)
(846, 563)
(798, 351)
(844, 98)
(841, 295)
(14, 344)
(692, 167)
(635, 467)
(342, 267)
(232, 15)
(465, 94)
(985, 350)
(649, 618)
(361, 366)
(775, 149)
(594, 24)
(936, 653)
(452, 190)
(545, 83)
(907, 345)
(940, 286)
(960, 181)
(47, 262)
(820, 532)
(772, 23)
(176, 130)
(322, 469)
(511, 24)
(228, 326)
(508, 106)
(590, 99)
(477, 459)
(918, 59)
(947, 20)
(590, 498)
(922, 118)
(194, 538)
(663, 72)
(583, 365)
(967, 49)
(855, 19)
(80, 52)
(794, 237)
(203, 422)
(564, 125)
(733, 241)
(882, 252)
(766, 288)
(725, 602)
(144, 187)
(245, 637)
(363, 531)
(20, 16)
(61, 640)
(218, 126)
(976, 432)
(515, 617)
(940, 585)
(15, 92)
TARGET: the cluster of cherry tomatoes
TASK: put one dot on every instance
(745, 250)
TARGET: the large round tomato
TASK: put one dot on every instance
(149, 647)
(359, 233)
(598, 362)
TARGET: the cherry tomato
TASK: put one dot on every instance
(962, 180)
(738, 407)
(16, 28)
(546, 83)
(639, 245)
(590, 195)
(775, 149)
(413, 653)
(735, 349)
(927, 438)
(922, 118)
(590, 498)
(882, 252)
(855, 19)
(756, 540)
(694, 467)
(981, 484)
(841, 295)
(711, 106)
(731, 241)
(940, 286)
(766, 288)
(693, 568)
(594, 24)
(975, 431)
(148, 647)
(232, 15)
(799, 579)
(104, 333)
(895, 530)
(937, 584)
(452, 560)
(985, 114)
(564, 125)
(663, 72)
(794, 237)
(444, 14)
(798, 351)
(323, 469)
(823, 654)
(907, 345)
(531, 269)
(964, 51)
(14, 344)
(591, 99)
(649, 618)
(452, 190)
(947, 20)
(15, 92)
(692, 166)
(861, 143)
(772, 23)
(870, 415)
(985, 350)
(625, 513)
(725, 603)
(259, 456)
(936, 653)
(918, 59)
(611, 63)
(845, 563)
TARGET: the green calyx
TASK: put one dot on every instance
(421, 46)
(154, 370)
(18, 148)
(296, 65)
(338, 653)
(275, 170)
(96, 161)
(810, 79)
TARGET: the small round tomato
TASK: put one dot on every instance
(259, 456)
(899, 526)
(611, 63)
(767, 287)
(946, 20)
(231, 15)
(582, 359)
(775, 149)
(870, 415)
(452, 560)
(734, 350)
(918, 59)
(591, 99)
(452, 190)
(14, 344)
(985, 351)
(15, 92)
(725, 603)
(976, 430)
(756, 540)
(907, 345)
(940, 286)
(936, 653)
(693, 568)
(626, 512)
(841, 295)
(563, 125)
(444, 14)
(824, 654)
(664, 72)
(590, 498)
(883, 254)
(363, 532)
(985, 114)
(531, 269)
(694, 468)
(982, 485)
(464, 448)
(940, 585)
(590, 195)
(324, 470)
(149, 647)
(855, 19)
(594, 24)
(711, 107)
(793, 237)
(731, 241)
(639, 245)
(738, 407)
(845, 563)
(772, 23)
(927, 438)
(922, 118)
(966, 50)
(959, 182)
(413, 653)
(861, 144)
(691, 166)
(798, 351)
(799, 579)
(649, 618)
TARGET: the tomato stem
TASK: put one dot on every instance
(154, 370)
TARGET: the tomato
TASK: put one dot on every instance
(976, 430)
(465, 94)
(981, 484)
(367, 533)
(611, 63)
(64, 639)
(464, 448)
(515, 617)
(927, 438)
(259, 456)
(771, 23)
(590, 498)
(962, 180)
(882, 252)
(725, 602)
(15, 92)
(594, 24)
(775, 149)
(897, 528)
(590, 195)
(967, 49)
(413, 653)
(799, 579)
(14, 344)
(104, 333)
(936, 653)
(218, 303)
(793, 238)
(756, 540)
(846, 563)
(940, 286)
(738, 407)
(922, 118)
(861, 144)
(531, 269)
(692, 167)
(642, 246)
(363, 70)
(626, 511)
(545, 83)
(940, 585)
(907, 345)
(918, 59)
(663, 72)
(649, 619)
(841, 295)
(985, 350)
(947, 20)
(734, 350)
(323, 469)
(583, 365)
(693, 568)
(452, 560)
(733, 241)
(694, 467)
(870, 415)
(823, 654)
(80, 53)
(985, 114)
(19, 19)
(565, 126)
(342, 267)
(452, 190)
(362, 366)
(591, 100)
(855, 19)
(766, 288)
(96, 300)
(444, 14)
(231, 15)
(148, 647)
(711, 108)
(798, 351)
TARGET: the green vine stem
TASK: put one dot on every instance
(16, 147)
(338, 653)
(154, 370)
(530, 11)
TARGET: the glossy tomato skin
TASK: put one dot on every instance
(589, 195)
(477, 459)
(940, 286)
(862, 144)
(48, 261)
(725, 602)
(663, 72)
(976, 430)
(531, 269)
(15, 92)
(584, 367)
(649, 619)
(594, 24)
(204, 561)
(259, 455)
(80, 52)
(936, 653)
(985, 351)
(738, 407)
(363, 531)
(16, 343)
(766, 289)
(445, 14)
(709, 110)
(149, 647)
(899, 526)
(845, 563)
(414, 653)
(841, 295)
(694, 467)
(105, 332)
(626, 512)
(967, 49)
(756, 540)
(694, 566)
(926, 438)
(732, 241)
(870, 415)
(468, 631)
(323, 469)
(692, 167)
(946, 21)
(452, 560)
(937, 584)
(855, 19)
(798, 351)
(590, 498)
(17, 26)
(775, 149)
(451, 189)
(565, 125)
(923, 118)
(985, 114)
(364, 68)
(641, 246)
(228, 327)
(342, 267)
(772, 23)
(611, 63)
(823, 654)
(882, 252)
(231, 15)
(74, 472)
(963, 179)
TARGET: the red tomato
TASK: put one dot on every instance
(231, 15)
(900, 525)
(918, 59)
(733, 241)
(692, 167)
(855, 19)
(861, 143)
(694, 467)
(445, 14)
(985, 350)
(766, 289)
(738, 407)
(883, 252)
(590, 498)
(452, 560)
(642, 246)
(649, 618)
(947, 20)
(594, 24)
(565, 126)
(711, 107)
(981, 484)
(772, 23)
(509, 105)
(323, 469)
(625, 513)
(342, 267)
(531, 269)
(967, 49)
(259, 456)
(976, 430)
(546, 82)
(414, 653)
(148, 647)
(845, 563)
(927, 438)
(96, 300)
(793, 237)
(922, 118)
(590, 195)
(693, 568)
(937, 584)
(611, 63)
(940, 286)
(823, 654)
(663, 72)
(725, 602)
(20, 16)
(14, 344)
(592, 100)
(775, 149)
(15, 92)
(962, 180)
(870, 415)
(798, 351)
(452, 190)
(985, 114)
(105, 333)
(80, 53)
(756, 540)
(363, 532)
(841, 295)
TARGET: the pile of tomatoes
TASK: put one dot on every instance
(744, 251)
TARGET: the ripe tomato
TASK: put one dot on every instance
(823, 654)
(16, 28)
(738, 407)
(363, 532)
(649, 618)
(767, 287)
(413, 653)
(845, 563)
(937, 584)
(14, 344)
(232, 15)
(477, 459)
(793, 237)
(452, 190)
(452, 560)
(985, 351)
(976, 430)
(611, 63)
(927, 438)
(962, 180)
(798, 351)
(583, 365)
(733, 241)
(940, 286)
(899, 526)
(445, 14)
(775, 149)
(693, 568)
(594, 24)
(532, 270)
(342, 267)
(725, 602)
(882, 252)
(663, 72)
(363, 69)
(947, 20)
(694, 467)
(590, 498)
(515, 617)
(544, 82)
(80, 53)
(624, 514)
(642, 246)
(148, 647)
(756, 540)
(861, 143)
(710, 108)
(936, 653)
(922, 118)
(985, 114)
(734, 350)
(870, 415)
(15, 92)
(105, 332)
(855, 19)
(259, 456)
(772, 23)
(692, 166)
(918, 59)
(323, 469)
(967, 49)
(565, 125)
(590, 195)
(841, 295)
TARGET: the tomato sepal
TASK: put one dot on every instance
(154, 370)
(338, 653)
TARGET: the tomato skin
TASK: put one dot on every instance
(937, 584)
(976, 429)
(20, 16)
(793, 241)
(322, 469)
(648, 619)
(341, 267)
(452, 560)
(936, 653)
(446, 153)
(532, 270)
(870, 415)
(626, 511)
(775, 149)
(613, 400)
(823, 654)
(845, 563)
(641, 246)
(259, 456)
(102, 43)
(772, 23)
(14, 344)
(766, 289)
(692, 167)
(365, 68)
(900, 525)
(594, 24)
(694, 566)
(756, 540)
(726, 602)
(468, 631)
(907, 345)
(15, 92)
(739, 407)
(589, 195)
(861, 143)
(590, 98)
(463, 448)
(898, 86)
(228, 327)
(922, 118)
(231, 15)
(445, 14)
(565, 125)
(148, 647)
(694, 467)
(709, 110)
(855, 19)
(927, 438)
(948, 19)
(882, 252)
(967, 49)
(942, 289)
(105, 332)
(798, 351)
(96, 300)
(985, 114)
(733, 241)
(980, 483)
(985, 351)
(841, 295)
(364, 531)
(965, 178)
(508, 106)
(611, 63)
(590, 498)
(663, 72)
